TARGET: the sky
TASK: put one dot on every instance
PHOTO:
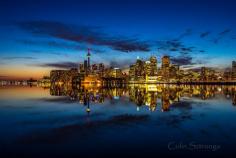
(38, 36)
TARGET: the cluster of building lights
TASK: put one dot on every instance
(139, 72)
(142, 72)
(148, 72)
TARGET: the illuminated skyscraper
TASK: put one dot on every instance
(148, 68)
(86, 67)
(139, 68)
(116, 73)
(165, 61)
(153, 65)
(165, 67)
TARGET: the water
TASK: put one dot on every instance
(137, 120)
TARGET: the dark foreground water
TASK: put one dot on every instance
(139, 120)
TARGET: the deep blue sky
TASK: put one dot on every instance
(37, 36)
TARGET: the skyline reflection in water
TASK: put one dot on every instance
(150, 95)
(88, 120)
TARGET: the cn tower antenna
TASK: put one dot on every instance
(88, 52)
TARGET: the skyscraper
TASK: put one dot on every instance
(148, 68)
(101, 69)
(153, 64)
(81, 68)
(139, 68)
(165, 61)
(165, 67)
(116, 73)
(86, 67)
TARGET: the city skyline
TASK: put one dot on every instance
(41, 36)
(148, 71)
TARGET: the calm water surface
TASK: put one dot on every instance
(135, 120)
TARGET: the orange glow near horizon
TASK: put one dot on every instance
(23, 72)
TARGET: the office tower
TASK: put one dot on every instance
(148, 68)
(116, 73)
(165, 61)
(165, 68)
(153, 65)
(139, 68)
(86, 67)
(101, 69)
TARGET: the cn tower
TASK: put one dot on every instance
(88, 55)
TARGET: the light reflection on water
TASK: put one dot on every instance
(92, 118)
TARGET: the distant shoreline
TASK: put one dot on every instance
(142, 83)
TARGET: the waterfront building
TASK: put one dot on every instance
(116, 73)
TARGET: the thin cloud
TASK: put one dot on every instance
(187, 32)
(180, 53)
(182, 60)
(205, 34)
(175, 46)
(224, 32)
(18, 57)
(84, 34)
(53, 44)
(61, 65)
(220, 36)
(170, 45)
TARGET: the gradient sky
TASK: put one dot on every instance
(37, 36)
